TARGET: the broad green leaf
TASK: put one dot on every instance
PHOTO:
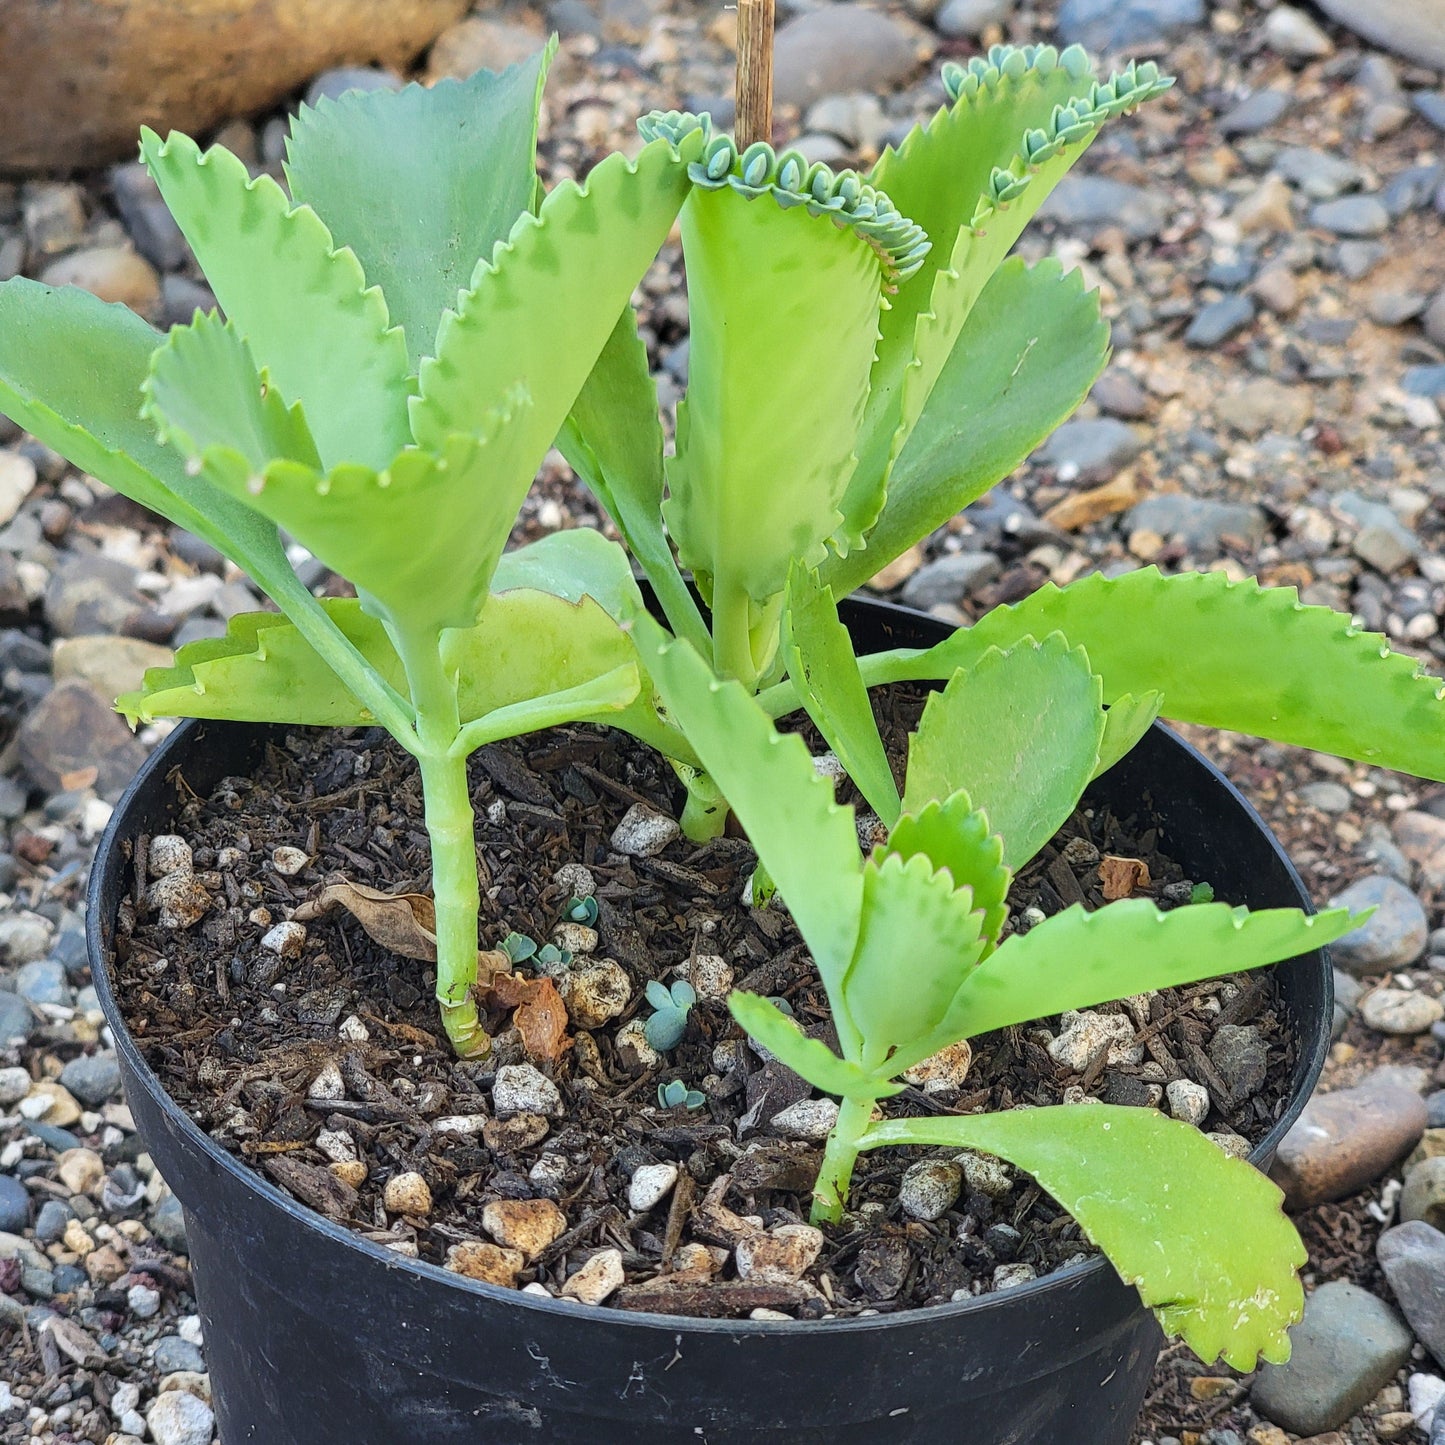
(206, 398)
(1019, 731)
(71, 370)
(973, 178)
(613, 441)
(955, 835)
(920, 936)
(421, 539)
(421, 183)
(1080, 958)
(1229, 655)
(1127, 720)
(820, 660)
(784, 310)
(302, 305)
(807, 843)
(574, 564)
(542, 307)
(1199, 1233)
(811, 1059)
(1027, 355)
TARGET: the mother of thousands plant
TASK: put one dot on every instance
(409, 332)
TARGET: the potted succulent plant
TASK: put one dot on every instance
(405, 337)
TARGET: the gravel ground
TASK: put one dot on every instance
(1267, 241)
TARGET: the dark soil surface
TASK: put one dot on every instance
(239, 1035)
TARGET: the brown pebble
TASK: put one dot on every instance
(351, 1172)
(521, 1131)
(408, 1194)
(1345, 1140)
(529, 1225)
(488, 1263)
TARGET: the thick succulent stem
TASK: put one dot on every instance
(835, 1175)
(705, 814)
(732, 632)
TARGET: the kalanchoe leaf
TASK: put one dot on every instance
(683, 994)
(582, 910)
(304, 306)
(518, 947)
(657, 994)
(1149, 1191)
(671, 1094)
(1127, 720)
(1202, 893)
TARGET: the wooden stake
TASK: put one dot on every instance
(755, 72)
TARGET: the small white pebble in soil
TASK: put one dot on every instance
(596, 1279)
(780, 1256)
(523, 1089)
(643, 832)
(632, 1045)
(228, 858)
(549, 1173)
(490, 1263)
(289, 861)
(328, 1083)
(872, 831)
(725, 1055)
(407, 1193)
(809, 1119)
(1188, 1101)
(1007, 1276)
(929, 1188)
(1398, 1011)
(497, 812)
(179, 900)
(287, 939)
(143, 1301)
(1426, 1392)
(1084, 1033)
(650, 1185)
(985, 1174)
(596, 992)
(189, 1329)
(575, 880)
(1232, 1144)
(575, 938)
(828, 765)
(351, 1030)
(459, 1124)
(337, 1145)
(710, 976)
(169, 854)
(179, 1418)
(942, 1071)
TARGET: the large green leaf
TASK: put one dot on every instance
(955, 835)
(920, 937)
(421, 183)
(613, 441)
(1080, 958)
(1026, 357)
(1127, 720)
(973, 179)
(811, 1059)
(820, 660)
(784, 310)
(1200, 1234)
(1019, 731)
(574, 564)
(805, 840)
(303, 306)
(1225, 654)
(541, 308)
(71, 371)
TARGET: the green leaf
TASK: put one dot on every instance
(1200, 1234)
(303, 306)
(1019, 731)
(613, 441)
(1230, 655)
(1126, 721)
(820, 660)
(542, 307)
(574, 564)
(804, 839)
(1080, 958)
(811, 1059)
(71, 370)
(420, 540)
(423, 182)
(206, 398)
(1026, 357)
(784, 311)
(955, 835)
(920, 936)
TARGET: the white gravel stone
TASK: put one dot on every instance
(1232, 1144)
(407, 1193)
(644, 832)
(1291, 32)
(942, 1071)
(710, 975)
(809, 1119)
(930, 1188)
(179, 899)
(143, 1301)
(650, 1185)
(596, 1279)
(779, 1256)
(576, 880)
(289, 861)
(1426, 1392)
(985, 1174)
(287, 939)
(1188, 1101)
(596, 992)
(353, 1031)
(1400, 1011)
(328, 1083)
(169, 853)
(576, 938)
(1009, 1276)
(633, 1046)
(179, 1418)
(337, 1145)
(14, 1086)
(523, 1089)
(1083, 1034)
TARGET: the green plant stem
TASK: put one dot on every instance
(450, 830)
(732, 632)
(835, 1174)
(878, 669)
(705, 814)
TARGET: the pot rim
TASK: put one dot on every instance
(97, 932)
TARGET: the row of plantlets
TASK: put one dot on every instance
(410, 331)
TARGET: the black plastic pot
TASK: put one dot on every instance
(317, 1337)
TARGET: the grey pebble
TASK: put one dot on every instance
(1345, 1350)
(1321, 175)
(50, 1223)
(168, 1224)
(840, 48)
(950, 579)
(1256, 112)
(94, 1079)
(1112, 25)
(1327, 796)
(172, 1353)
(958, 18)
(1238, 1053)
(1413, 1258)
(1423, 1196)
(332, 84)
(1201, 523)
(1220, 320)
(1352, 216)
(1431, 105)
(1393, 937)
(1092, 449)
(1084, 202)
(14, 1205)
(43, 981)
(1426, 380)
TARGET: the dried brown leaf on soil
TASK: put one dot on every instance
(539, 1014)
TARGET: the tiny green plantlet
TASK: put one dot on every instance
(665, 1028)
(676, 1095)
(913, 949)
(581, 910)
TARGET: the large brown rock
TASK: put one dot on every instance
(1346, 1140)
(78, 78)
